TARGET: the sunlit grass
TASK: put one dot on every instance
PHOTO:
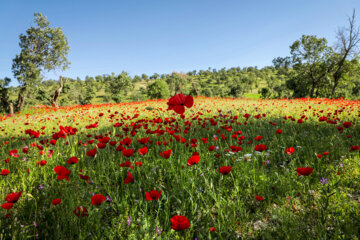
(293, 206)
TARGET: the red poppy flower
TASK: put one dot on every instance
(104, 140)
(166, 154)
(128, 152)
(97, 199)
(279, 131)
(153, 195)
(179, 102)
(101, 145)
(259, 198)
(126, 141)
(143, 151)
(25, 150)
(41, 163)
(119, 148)
(85, 177)
(143, 140)
(129, 178)
(260, 147)
(258, 138)
(138, 164)
(212, 229)
(13, 197)
(347, 124)
(354, 148)
(225, 170)
(290, 150)
(211, 148)
(81, 211)
(126, 164)
(304, 171)
(7, 206)
(56, 201)
(72, 160)
(4, 172)
(62, 172)
(91, 153)
(13, 153)
(179, 223)
(193, 160)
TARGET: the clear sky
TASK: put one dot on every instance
(162, 36)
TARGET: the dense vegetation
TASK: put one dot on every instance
(231, 168)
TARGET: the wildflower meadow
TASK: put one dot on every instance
(182, 168)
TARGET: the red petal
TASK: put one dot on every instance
(177, 99)
(148, 197)
(189, 101)
(179, 109)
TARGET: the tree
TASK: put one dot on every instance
(155, 76)
(87, 94)
(42, 48)
(158, 90)
(347, 46)
(117, 86)
(308, 66)
(176, 83)
(144, 77)
(265, 92)
(136, 79)
(310, 60)
(5, 103)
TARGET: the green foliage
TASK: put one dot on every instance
(4, 96)
(42, 48)
(144, 77)
(265, 93)
(118, 86)
(316, 70)
(176, 83)
(42, 95)
(158, 90)
(137, 79)
(87, 95)
(310, 65)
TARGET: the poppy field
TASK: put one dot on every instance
(182, 168)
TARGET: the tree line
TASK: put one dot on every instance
(313, 69)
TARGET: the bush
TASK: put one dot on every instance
(265, 92)
(158, 90)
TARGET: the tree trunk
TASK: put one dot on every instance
(312, 90)
(21, 99)
(195, 88)
(337, 76)
(6, 103)
(336, 82)
(57, 93)
(11, 108)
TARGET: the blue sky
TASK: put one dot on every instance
(162, 36)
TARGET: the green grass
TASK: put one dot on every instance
(252, 95)
(294, 207)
